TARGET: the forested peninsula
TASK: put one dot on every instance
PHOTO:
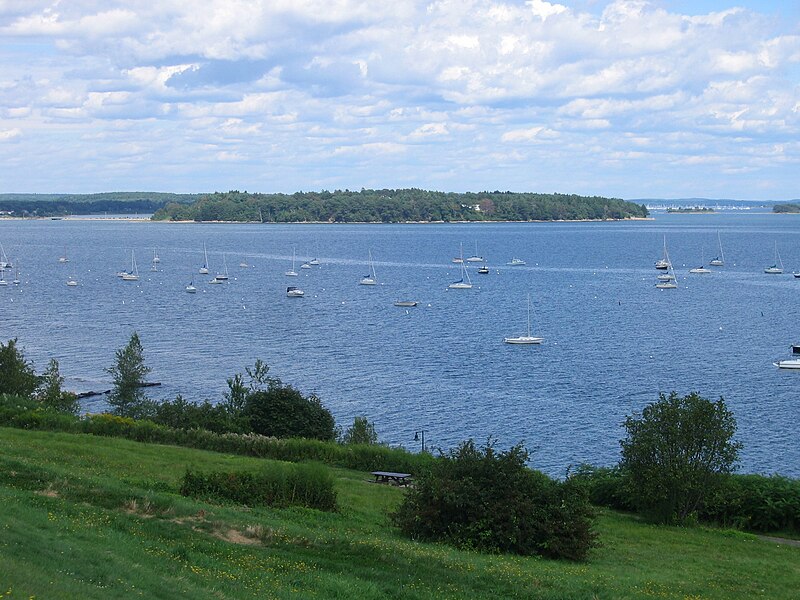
(398, 206)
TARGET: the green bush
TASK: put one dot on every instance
(282, 411)
(17, 376)
(491, 501)
(182, 414)
(606, 486)
(756, 503)
(279, 485)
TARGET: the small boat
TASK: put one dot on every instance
(527, 338)
(244, 264)
(795, 348)
(63, 258)
(475, 257)
(156, 260)
(133, 274)
(663, 264)
(405, 303)
(224, 275)
(516, 262)
(484, 270)
(789, 363)
(461, 284)
(666, 281)
(305, 265)
(718, 261)
(665, 277)
(190, 289)
(3, 281)
(294, 292)
(666, 285)
(204, 269)
(796, 275)
(314, 261)
(72, 282)
(369, 278)
(291, 272)
(16, 280)
(4, 262)
(777, 267)
(216, 281)
(701, 270)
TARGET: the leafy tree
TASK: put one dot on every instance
(17, 376)
(677, 453)
(127, 398)
(50, 393)
(482, 499)
(282, 411)
(360, 432)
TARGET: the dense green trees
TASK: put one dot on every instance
(17, 377)
(487, 500)
(676, 454)
(393, 206)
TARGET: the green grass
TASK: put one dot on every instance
(93, 517)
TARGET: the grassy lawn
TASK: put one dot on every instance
(92, 517)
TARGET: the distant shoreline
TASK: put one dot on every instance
(148, 220)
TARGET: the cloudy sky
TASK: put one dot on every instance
(626, 98)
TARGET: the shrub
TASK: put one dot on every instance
(360, 432)
(182, 414)
(282, 411)
(606, 486)
(676, 452)
(279, 485)
(51, 395)
(128, 372)
(487, 500)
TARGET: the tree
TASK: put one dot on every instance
(17, 376)
(282, 411)
(360, 432)
(676, 453)
(50, 393)
(127, 398)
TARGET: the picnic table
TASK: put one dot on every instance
(392, 478)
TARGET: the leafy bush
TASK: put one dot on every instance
(279, 485)
(487, 500)
(756, 503)
(606, 486)
(17, 376)
(282, 411)
(182, 414)
(360, 432)
(676, 452)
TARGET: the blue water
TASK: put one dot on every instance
(612, 341)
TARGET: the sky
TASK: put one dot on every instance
(625, 98)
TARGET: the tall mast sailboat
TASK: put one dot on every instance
(527, 338)
(369, 278)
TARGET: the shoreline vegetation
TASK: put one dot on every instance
(340, 206)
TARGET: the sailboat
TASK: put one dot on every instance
(775, 269)
(718, 261)
(224, 275)
(527, 338)
(701, 269)
(133, 274)
(4, 262)
(63, 258)
(3, 281)
(461, 284)
(16, 280)
(475, 257)
(663, 263)
(72, 282)
(204, 269)
(156, 260)
(190, 289)
(369, 278)
(292, 272)
(667, 281)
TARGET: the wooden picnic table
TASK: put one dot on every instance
(393, 478)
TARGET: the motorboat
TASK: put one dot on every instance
(789, 363)
(665, 277)
(72, 282)
(405, 303)
(516, 262)
(484, 270)
(314, 262)
(305, 265)
(294, 292)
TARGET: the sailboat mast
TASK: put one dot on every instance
(529, 315)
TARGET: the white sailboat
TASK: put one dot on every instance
(292, 272)
(476, 257)
(527, 338)
(72, 282)
(701, 270)
(777, 267)
(63, 258)
(133, 274)
(204, 269)
(3, 281)
(663, 263)
(464, 283)
(667, 281)
(16, 280)
(156, 260)
(369, 278)
(718, 261)
(190, 289)
(4, 262)
(224, 275)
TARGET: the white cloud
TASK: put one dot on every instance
(10, 134)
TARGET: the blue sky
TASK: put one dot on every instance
(626, 98)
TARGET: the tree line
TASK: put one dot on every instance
(58, 205)
(397, 206)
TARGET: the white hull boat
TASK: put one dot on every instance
(527, 338)
(789, 363)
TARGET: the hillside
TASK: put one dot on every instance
(91, 517)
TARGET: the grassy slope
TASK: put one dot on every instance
(87, 517)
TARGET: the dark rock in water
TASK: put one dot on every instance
(91, 394)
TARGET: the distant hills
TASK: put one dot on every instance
(714, 203)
